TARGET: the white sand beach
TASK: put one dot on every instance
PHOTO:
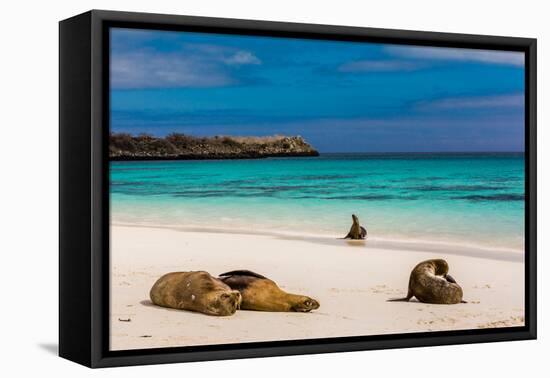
(352, 280)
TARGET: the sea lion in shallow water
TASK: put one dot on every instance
(356, 232)
(195, 291)
(262, 294)
(430, 283)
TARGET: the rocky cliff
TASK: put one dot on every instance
(183, 147)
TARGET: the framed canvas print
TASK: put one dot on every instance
(234, 188)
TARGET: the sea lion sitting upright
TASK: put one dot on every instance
(262, 294)
(356, 231)
(430, 283)
(195, 291)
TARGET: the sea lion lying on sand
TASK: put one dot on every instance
(356, 231)
(262, 294)
(430, 283)
(195, 291)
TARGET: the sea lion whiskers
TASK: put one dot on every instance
(305, 304)
(226, 302)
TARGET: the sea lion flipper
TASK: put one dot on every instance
(242, 272)
(406, 299)
(398, 299)
(450, 278)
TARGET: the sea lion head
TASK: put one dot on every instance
(224, 303)
(355, 219)
(305, 304)
(441, 268)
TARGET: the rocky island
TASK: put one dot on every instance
(124, 146)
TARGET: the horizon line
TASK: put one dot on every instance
(422, 152)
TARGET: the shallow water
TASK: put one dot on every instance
(474, 199)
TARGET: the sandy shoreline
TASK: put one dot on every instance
(351, 279)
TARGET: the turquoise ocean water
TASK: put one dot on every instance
(474, 199)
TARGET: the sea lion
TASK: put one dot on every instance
(195, 291)
(430, 283)
(262, 294)
(356, 232)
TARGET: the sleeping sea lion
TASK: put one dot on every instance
(262, 294)
(195, 291)
(356, 231)
(430, 283)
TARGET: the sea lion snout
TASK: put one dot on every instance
(228, 303)
(306, 304)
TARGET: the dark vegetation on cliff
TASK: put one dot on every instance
(124, 146)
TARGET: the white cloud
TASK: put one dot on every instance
(194, 65)
(512, 58)
(150, 70)
(242, 58)
(380, 66)
(478, 102)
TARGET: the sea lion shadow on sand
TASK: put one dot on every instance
(356, 236)
(430, 282)
(147, 303)
(356, 243)
(259, 293)
(330, 241)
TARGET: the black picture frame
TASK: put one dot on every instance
(84, 201)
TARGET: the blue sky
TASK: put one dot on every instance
(340, 96)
